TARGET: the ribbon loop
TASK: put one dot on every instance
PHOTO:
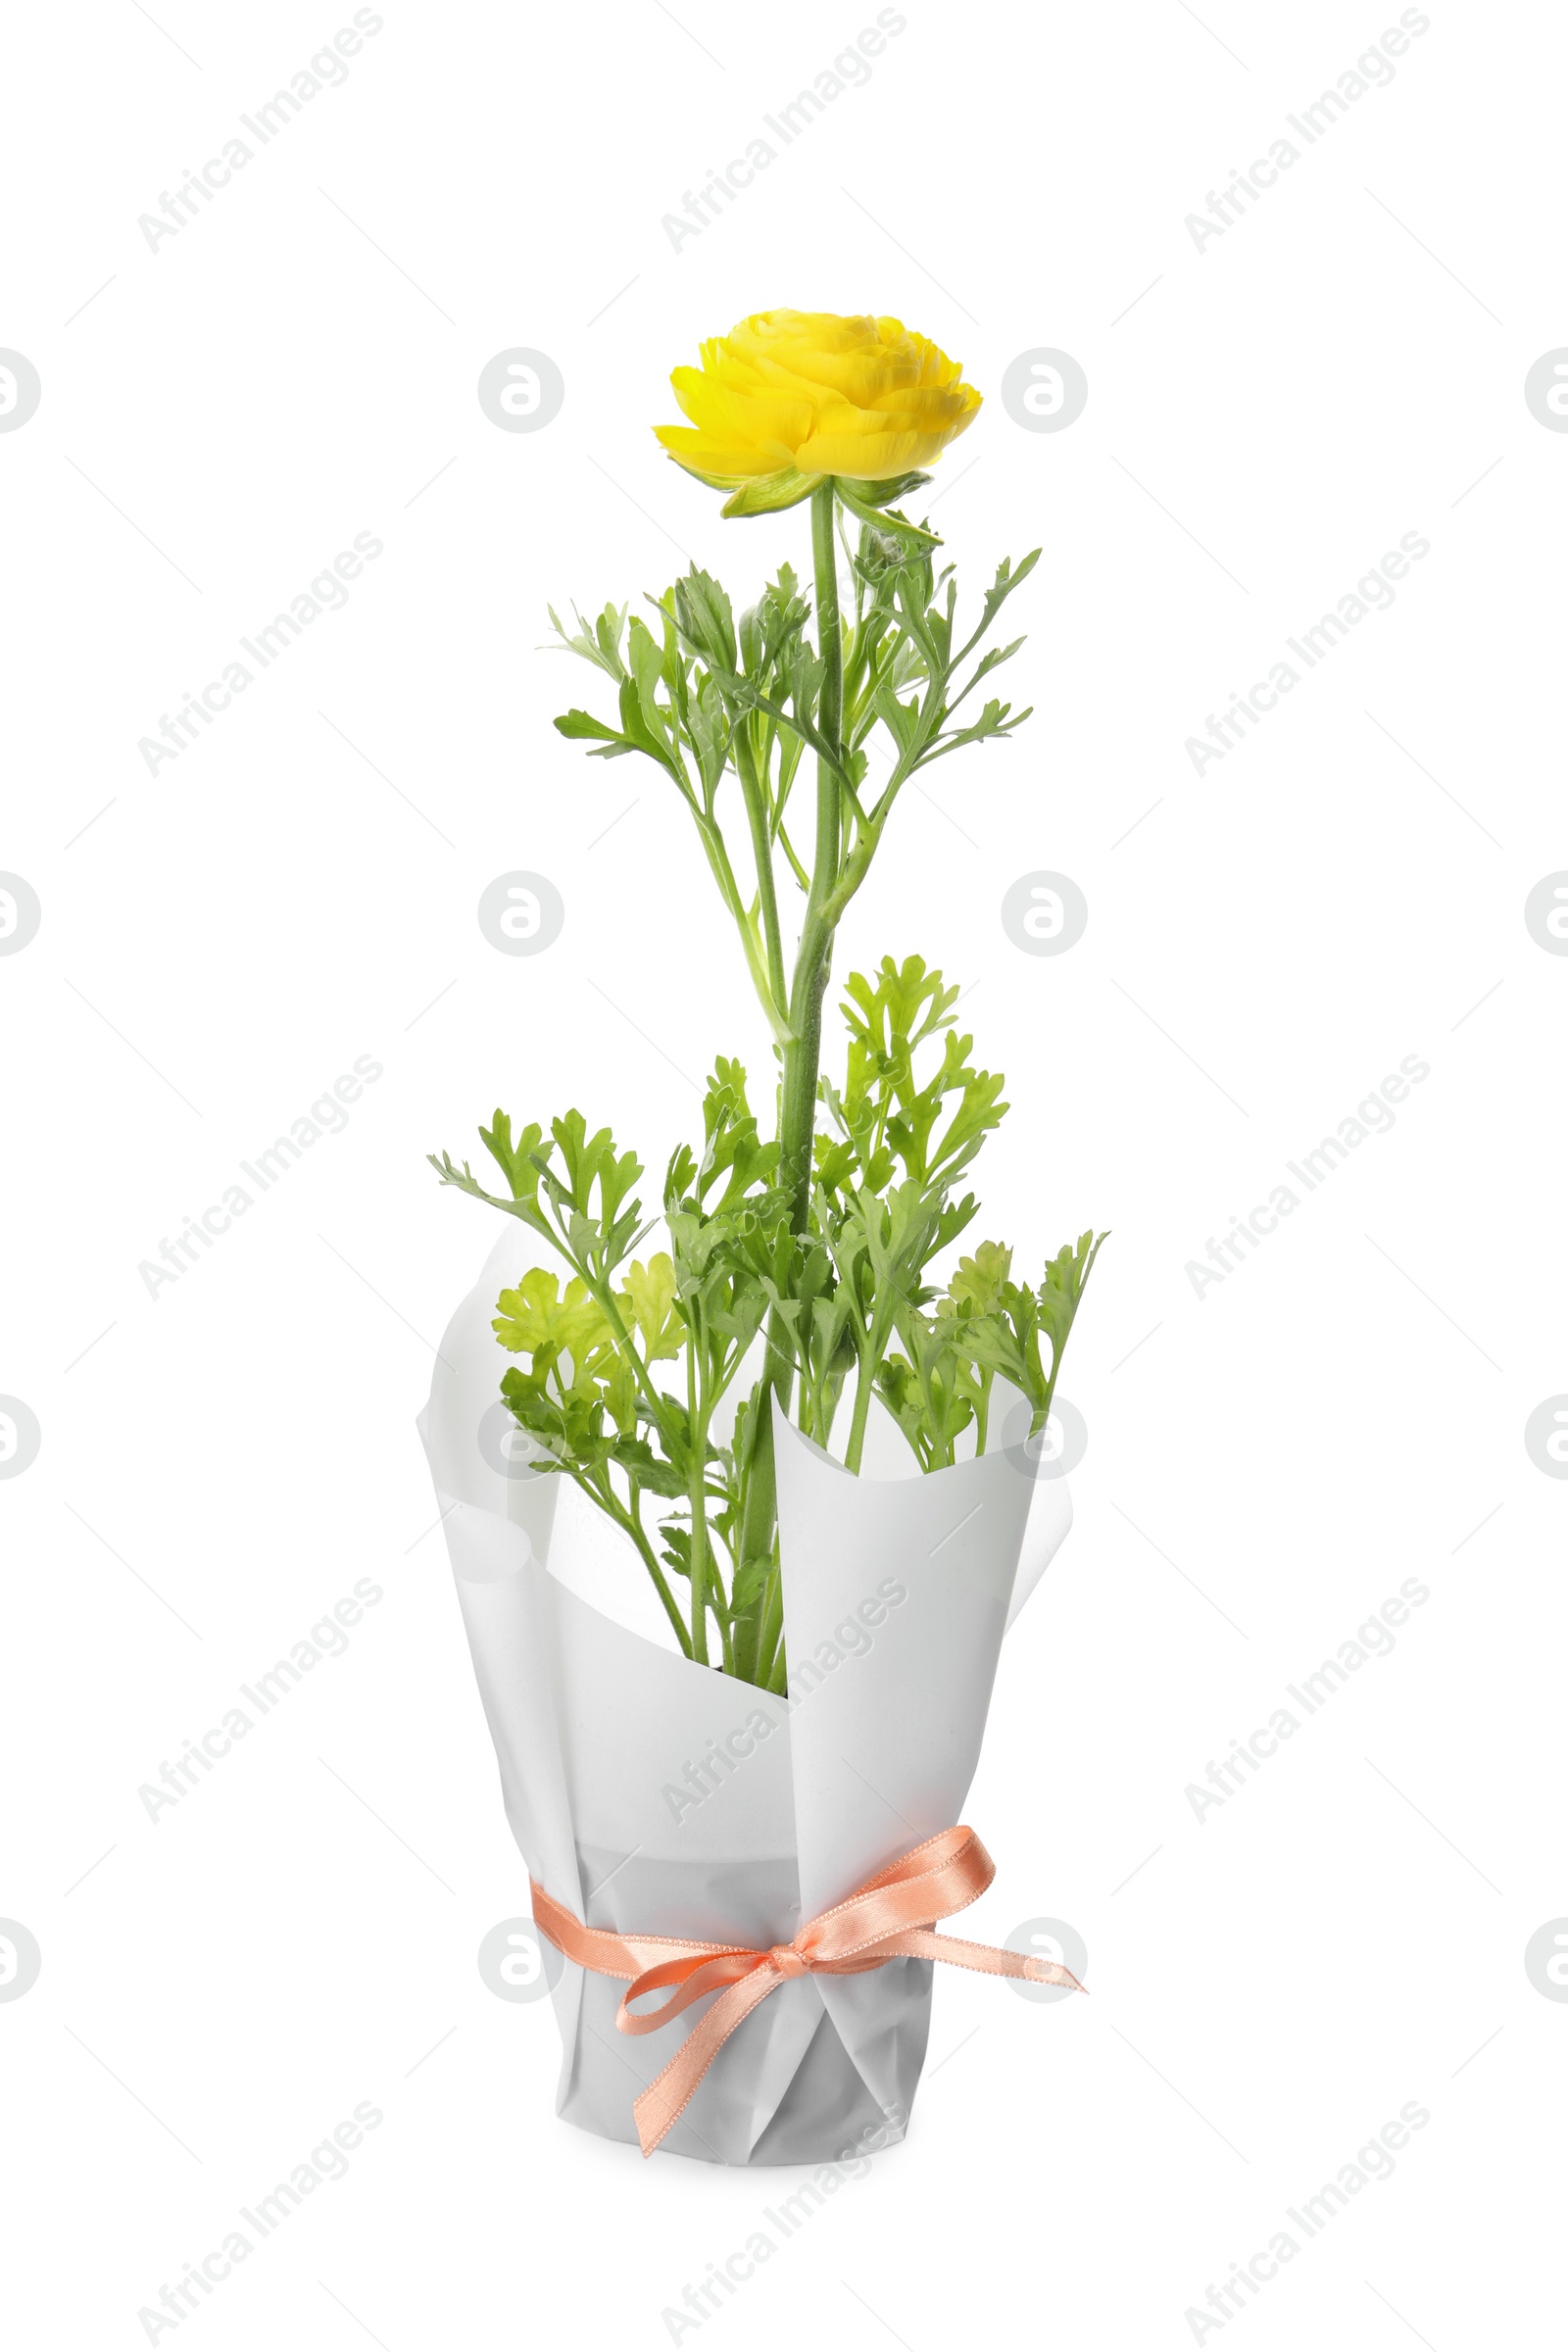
(892, 1917)
(694, 1979)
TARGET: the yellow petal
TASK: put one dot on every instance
(814, 393)
(869, 451)
(701, 453)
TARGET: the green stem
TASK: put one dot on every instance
(696, 1495)
(878, 1333)
(982, 1418)
(863, 1383)
(763, 853)
(768, 980)
(610, 1503)
(772, 1630)
(801, 1054)
(802, 1059)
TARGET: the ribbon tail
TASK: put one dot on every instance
(919, 1944)
(659, 2108)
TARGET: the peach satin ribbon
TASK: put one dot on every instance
(888, 1918)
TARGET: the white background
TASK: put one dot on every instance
(297, 364)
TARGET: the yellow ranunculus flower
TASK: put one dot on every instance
(791, 397)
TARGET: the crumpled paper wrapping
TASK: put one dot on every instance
(653, 1796)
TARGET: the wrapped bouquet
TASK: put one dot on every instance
(795, 1405)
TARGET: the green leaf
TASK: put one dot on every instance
(651, 1300)
(978, 1281)
(750, 1582)
(652, 1473)
(648, 669)
(533, 1318)
(705, 621)
(994, 720)
(708, 726)
(992, 659)
(1061, 1291)
(772, 624)
(771, 493)
(600, 645)
(516, 1162)
(579, 727)
(882, 493)
(916, 536)
(637, 731)
(902, 720)
(607, 634)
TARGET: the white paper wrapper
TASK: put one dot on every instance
(896, 1592)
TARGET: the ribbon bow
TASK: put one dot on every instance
(889, 1918)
